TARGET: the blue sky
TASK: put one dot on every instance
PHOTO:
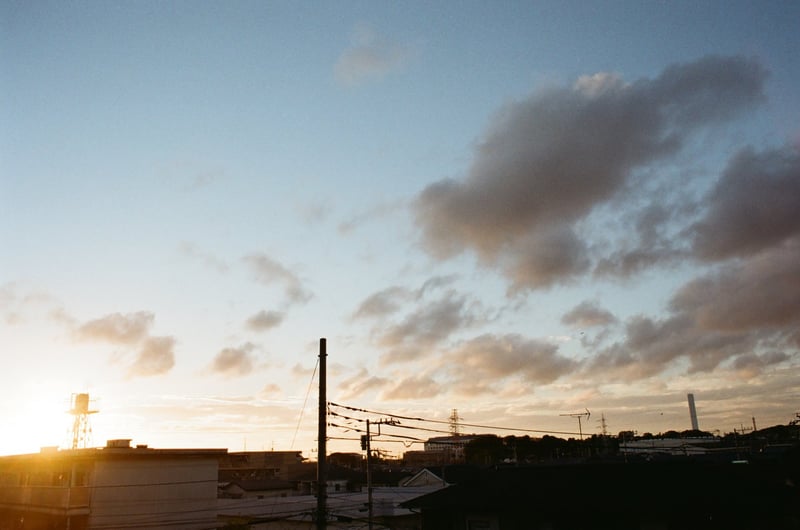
(518, 210)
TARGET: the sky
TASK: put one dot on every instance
(518, 210)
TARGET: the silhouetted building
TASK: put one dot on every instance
(117, 486)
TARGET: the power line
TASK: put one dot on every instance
(305, 401)
(474, 425)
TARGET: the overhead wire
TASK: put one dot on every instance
(305, 401)
(474, 425)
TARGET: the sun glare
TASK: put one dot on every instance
(35, 422)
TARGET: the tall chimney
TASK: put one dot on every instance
(693, 412)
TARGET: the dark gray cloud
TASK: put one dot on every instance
(267, 271)
(480, 364)
(651, 346)
(388, 301)
(117, 328)
(741, 310)
(753, 206)
(588, 314)
(752, 364)
(156, 357)
(235, 361)
(265, 320)
(427, 326)
(549, 161)
(759, 294)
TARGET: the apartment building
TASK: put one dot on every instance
(114, 487)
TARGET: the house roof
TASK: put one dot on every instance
(258, 484)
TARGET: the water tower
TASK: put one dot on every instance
(81, 429)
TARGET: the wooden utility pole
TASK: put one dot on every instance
(322, 438)
(369, 479)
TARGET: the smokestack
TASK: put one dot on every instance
(693, 412)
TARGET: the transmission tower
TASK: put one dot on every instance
(81, 428)
(455, 429)
(603, 424)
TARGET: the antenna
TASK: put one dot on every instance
(579, 415)
(81, 429)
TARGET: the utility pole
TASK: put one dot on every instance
(369, 479)
(367, 446)
(322, 438)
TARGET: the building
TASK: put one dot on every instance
(670, 446)
(116, 486)
(451, 446)
(260, 465)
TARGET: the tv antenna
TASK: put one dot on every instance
(579, 415)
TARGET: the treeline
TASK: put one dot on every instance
(492, 449)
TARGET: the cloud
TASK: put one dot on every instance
(359, 384)
(753, 206)
(388, 301)
(271, 389)
(738, 312)
(131, 331)
(751, 365)
(267, 271)
(758, 294)
(377, 211)
(383, 303)
(428, 325)
(265, 320)
(116, 328)
(481, 364)
(209, 260)
(370, 56)
(414, 387)
(155, 357)
(588, 314)
(235, 362)
(548, 162)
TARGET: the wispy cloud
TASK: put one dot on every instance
(370, 56)
(267, 271)
(118, 328)
(206, 258)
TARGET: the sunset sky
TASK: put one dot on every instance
(514, 209)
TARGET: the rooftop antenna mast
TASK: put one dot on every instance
(81, 428)
(579, 415)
